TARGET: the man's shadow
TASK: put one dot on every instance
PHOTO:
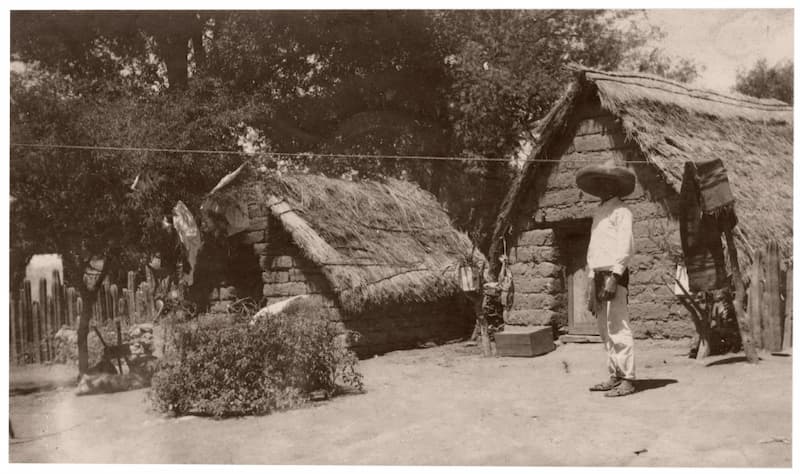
(648, 384)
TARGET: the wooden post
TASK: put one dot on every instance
(56, 293)
(140, 305)
(29, 319)
(701, 323)
(12, 329)
(150, 301)
(131, 296)
(754, 297)
(37, 340)
(787, 326)
(126, 312)
(119, 342)
(23, 323)
(113, 303)
(71, 306)
(43, 308)
(741, 316)
(83, 328)
(772, 315)
(78, 309)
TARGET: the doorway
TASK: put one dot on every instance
(579, 319)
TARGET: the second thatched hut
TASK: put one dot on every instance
(378, 258)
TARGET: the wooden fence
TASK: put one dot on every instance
(33, 324)
(769, 302)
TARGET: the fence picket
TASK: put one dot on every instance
(113, 294)
(37, 340)
(23, 323)
(56, 294)
(12, 329)
(771, 315)
(71, 307)
(787, 326)
(44, 317)
(131, 287)
(29, 319)
(754, 297)
(78, 309)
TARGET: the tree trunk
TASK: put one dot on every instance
(197, 42)
(175, 50)
(741, 316)
(88, 298)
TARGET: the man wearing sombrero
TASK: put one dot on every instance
(610, 250)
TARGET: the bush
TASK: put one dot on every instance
(224, 367)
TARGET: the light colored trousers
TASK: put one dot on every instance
(615, 329)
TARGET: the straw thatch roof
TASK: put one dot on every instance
(673, 123)
(376, 243)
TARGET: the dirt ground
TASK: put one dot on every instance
(449, 406)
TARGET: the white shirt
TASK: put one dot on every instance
(611, 244)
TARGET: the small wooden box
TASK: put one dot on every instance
(525, 341)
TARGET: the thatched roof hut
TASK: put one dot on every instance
(376, 243)
(653, 126)
(673, 123)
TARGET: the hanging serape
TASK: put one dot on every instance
(706, 209)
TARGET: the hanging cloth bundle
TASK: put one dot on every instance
(716, 197)
(506, 280)
(706, 210)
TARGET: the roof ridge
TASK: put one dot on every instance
(732, 101)
(740, 98)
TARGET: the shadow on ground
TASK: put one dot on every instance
(729, 360)
(649, 384)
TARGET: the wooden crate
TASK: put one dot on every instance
(525, 341)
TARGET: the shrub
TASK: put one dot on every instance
(223, 367)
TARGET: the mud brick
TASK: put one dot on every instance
(275, 277)
(526, 284)
(284, 261)
(285, 289)
(546, 269)
(531, 317)
(537, 237)
(536, 301)
(260, 249)
(524, 342)
(595, 142)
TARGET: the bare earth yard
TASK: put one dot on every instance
(449, 406)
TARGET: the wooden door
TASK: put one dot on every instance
(580, 320)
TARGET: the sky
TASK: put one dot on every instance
(724, 40)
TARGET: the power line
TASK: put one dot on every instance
(301, 154)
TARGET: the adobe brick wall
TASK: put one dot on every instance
(539, 293)
(537, 259)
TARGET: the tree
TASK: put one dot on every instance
(440, 83)
(656, 61)
(763, 81)
(92, 45)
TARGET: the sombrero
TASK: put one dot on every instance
(591, 178)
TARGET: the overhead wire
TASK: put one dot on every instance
(303, 154)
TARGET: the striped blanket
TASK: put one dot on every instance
(706, 210)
